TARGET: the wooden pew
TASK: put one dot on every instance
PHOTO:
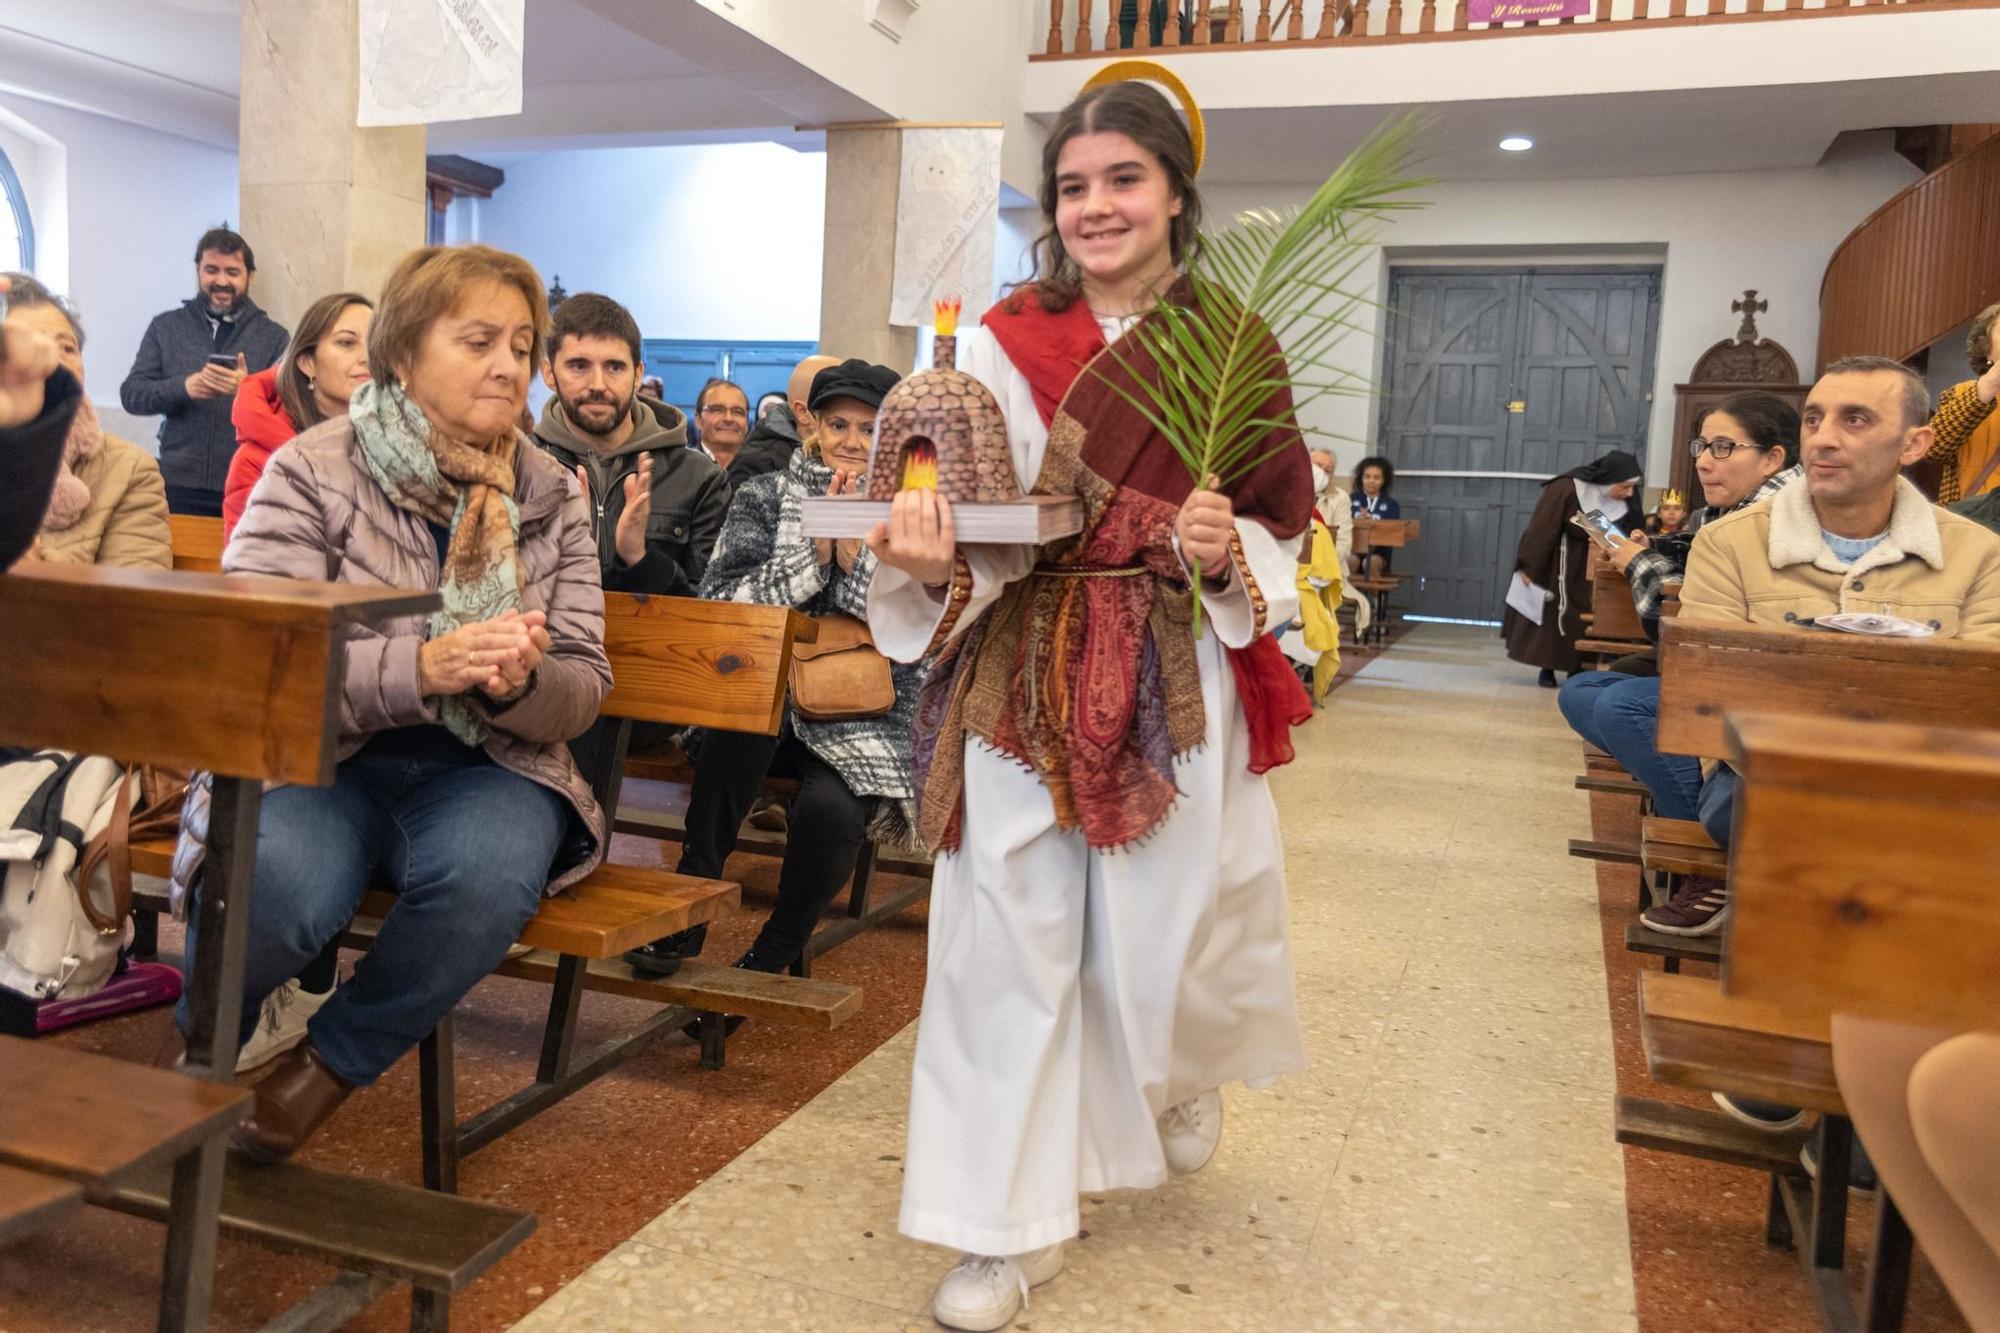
(666, 763)
(1697, 1036)
(673, 660)
(125, 663)
(197, 543)
(1867, 874)
(1867, 883)
(1384, 534)
(1708, 672)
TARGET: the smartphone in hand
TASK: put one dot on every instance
(1599, 529)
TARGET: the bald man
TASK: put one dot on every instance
(782, 429)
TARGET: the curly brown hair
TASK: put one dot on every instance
(1979, 339)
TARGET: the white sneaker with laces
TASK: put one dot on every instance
(281, 1024)
(984, 1292)
(1190, 1132)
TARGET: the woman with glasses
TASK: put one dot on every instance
(1746, 449)
(1553, 560)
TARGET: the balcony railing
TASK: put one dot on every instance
(1919, 266)
(1083, 29)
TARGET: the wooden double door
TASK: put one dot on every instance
(1495, 380)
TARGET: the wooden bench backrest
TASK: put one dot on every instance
(687, 662)
(197, 543)
(1373, 533)
(674, 660)
(1708, 672)
(192, 670)
(1613, 614)
(1867, 870)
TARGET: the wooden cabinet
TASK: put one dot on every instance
(1736, 365)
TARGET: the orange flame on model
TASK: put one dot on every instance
(945, 315)
(920, 469)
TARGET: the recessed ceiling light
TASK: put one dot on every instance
(1515, 143)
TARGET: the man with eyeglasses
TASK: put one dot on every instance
(722, 415)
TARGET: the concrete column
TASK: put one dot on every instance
(863, 170)
(326, 206)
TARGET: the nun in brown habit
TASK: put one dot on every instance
(1555, 555)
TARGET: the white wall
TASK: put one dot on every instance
(137, 201)
(951, 59)
(711, 242)
(1714, 236)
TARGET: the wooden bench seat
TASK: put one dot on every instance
(379, 1232)
(31, 1201)
(1681, 846)
(1606, 784)
(1674, 949)
(1617, 853)
(1697, 1037)
(614, 909)
(1595, 647)
(1691, 1131)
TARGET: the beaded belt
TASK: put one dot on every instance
(1086, 572)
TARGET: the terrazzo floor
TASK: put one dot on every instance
(1446, 1162)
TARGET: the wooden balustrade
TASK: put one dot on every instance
(1920, 265)
(1210, 25)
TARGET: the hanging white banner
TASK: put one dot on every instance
(947, 211)
(423, 61)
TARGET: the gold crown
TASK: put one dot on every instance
(1153, 72)
(1673, 497)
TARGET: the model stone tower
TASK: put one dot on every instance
(941, 430)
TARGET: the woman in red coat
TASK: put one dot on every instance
(326, 362)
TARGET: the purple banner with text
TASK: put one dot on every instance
(1525, 11)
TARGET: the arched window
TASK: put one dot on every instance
(17, 229)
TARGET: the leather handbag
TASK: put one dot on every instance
(840, 676)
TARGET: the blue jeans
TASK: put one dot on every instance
(1620, 715)
(1717, 805)
(466, 845)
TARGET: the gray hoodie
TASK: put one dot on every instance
(690, 495)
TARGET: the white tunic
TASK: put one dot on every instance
(1073, 995)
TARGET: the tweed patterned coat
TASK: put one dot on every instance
(764, 558)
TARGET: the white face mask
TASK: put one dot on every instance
(1319, 479)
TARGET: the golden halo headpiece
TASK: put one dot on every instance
(1673, 497)
(1151, 71)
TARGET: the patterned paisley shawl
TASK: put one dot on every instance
(1085, 671)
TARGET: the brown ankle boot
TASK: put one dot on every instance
(294, 1101)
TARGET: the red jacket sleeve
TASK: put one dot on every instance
(245, 466)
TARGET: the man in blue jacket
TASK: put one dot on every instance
(189, 364)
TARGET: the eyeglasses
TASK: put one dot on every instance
(1721, 448)
(723, 410)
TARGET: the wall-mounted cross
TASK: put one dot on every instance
(1750, 307)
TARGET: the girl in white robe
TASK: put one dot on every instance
(1089, 991)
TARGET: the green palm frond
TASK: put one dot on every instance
(1271, 300)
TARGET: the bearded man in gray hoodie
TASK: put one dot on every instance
(656, 505)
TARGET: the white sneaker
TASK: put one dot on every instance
(1190, 1132)
(984, 1293)
(281, 1025)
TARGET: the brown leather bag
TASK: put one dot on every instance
(840, 676)
(158, 815)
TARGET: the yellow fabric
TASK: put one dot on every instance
(1319, 598)
(1968, 432)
